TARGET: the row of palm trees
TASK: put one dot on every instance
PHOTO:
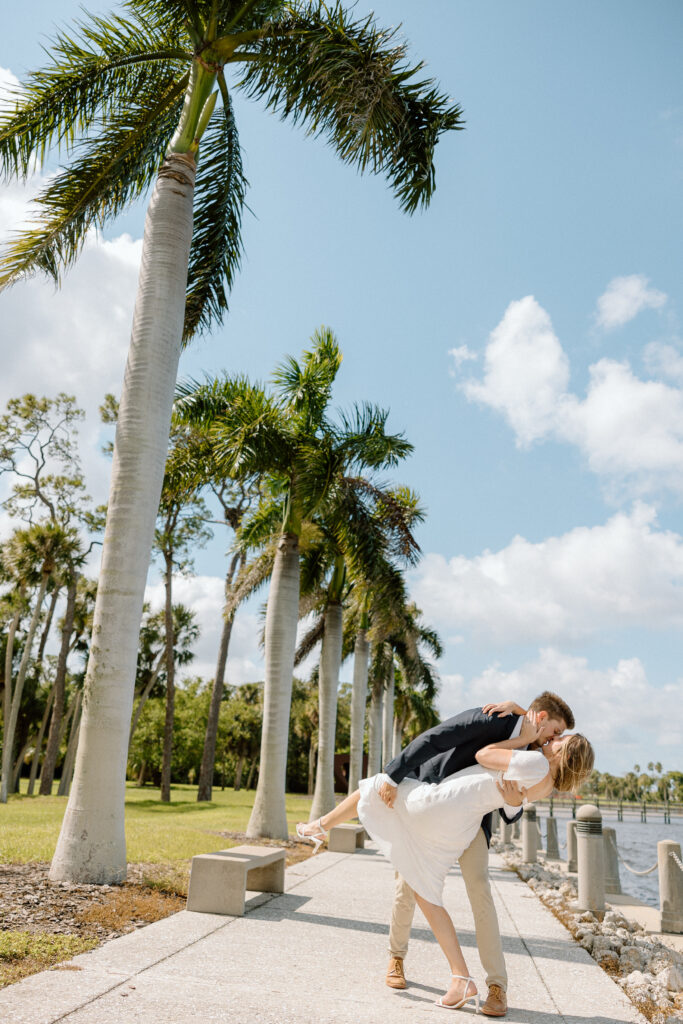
(354, 535)
(129, 99)
(330, 537)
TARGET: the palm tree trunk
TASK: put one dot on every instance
(388, 717)
(252, 772)
(72, 747)
(399, 726)
(92, 845)
(38, 749)
(238, 772)
(18, 766)
(361, 653)
(269, 817)
(46, 628)
(170, 684)
(144, 696)
(53, 739)
(10, 720)
(330, 663)
(312, 755)
(375, 729)
(209, 754)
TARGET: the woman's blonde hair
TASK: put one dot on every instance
(576, 761)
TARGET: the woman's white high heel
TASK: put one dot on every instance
(317, 838)
(466, 999)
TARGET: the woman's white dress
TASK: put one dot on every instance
(431, 824)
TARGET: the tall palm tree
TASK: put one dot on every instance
(291, 440)
(129, 98)
(359, 525)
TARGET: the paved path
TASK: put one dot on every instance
(317, 953)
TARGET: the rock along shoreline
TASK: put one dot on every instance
(648, 971)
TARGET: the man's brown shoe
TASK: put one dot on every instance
(496, 1004)
(395, 976)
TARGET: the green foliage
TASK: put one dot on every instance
(118, 92)
(39, 453)
(349, 80)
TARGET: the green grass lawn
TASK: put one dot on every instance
(155, 832)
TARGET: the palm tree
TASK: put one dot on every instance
(359, 525)
(31, 556)
(129, 99)
(402, 645)
(290, 440)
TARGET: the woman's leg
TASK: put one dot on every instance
(440, 922)
(343, 812)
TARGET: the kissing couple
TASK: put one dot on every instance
(432, 806)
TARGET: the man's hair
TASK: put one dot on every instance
(555, 706)
(575, 765)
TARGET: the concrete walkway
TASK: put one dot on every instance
(317, 953)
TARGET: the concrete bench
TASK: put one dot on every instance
(346, 838)
(218, 881)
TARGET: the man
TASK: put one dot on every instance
(432, 757)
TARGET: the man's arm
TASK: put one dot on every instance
(471, 727)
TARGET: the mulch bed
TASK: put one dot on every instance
(30, 902)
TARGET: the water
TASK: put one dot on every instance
(637, 843)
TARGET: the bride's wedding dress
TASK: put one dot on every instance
(431, 824)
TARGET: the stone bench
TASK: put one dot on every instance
(218, 881)
(346, 838)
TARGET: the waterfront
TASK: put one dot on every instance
(637, 843)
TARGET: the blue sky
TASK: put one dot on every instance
(558, 421)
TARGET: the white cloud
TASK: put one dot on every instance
(526, 371)
(75, 338)
(624, 298)
(625, 573)
(616, 707)
(630, 430)
(663, 360)
(9, 84)
(461, 354)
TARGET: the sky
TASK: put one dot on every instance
(525, 332)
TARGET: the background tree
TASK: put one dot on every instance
(122, 95)
(290, 441)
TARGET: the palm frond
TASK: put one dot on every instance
(201, 403)
(364, 441)
(90, 71)
(220, 190)
(349, 80)
(306, 386)
(112, 171)
(393, 516)
(250, 578)
(311, 638)
(264, 524)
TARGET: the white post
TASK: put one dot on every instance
(612, 880)
(552, 850)
(529, 835)
(571, 846)
(670, 885)
(590, 857)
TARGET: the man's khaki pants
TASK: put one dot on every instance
(474, 865)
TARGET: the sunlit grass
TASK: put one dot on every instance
(24, 953)
(155, 832)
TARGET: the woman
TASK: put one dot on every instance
(430, 825)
